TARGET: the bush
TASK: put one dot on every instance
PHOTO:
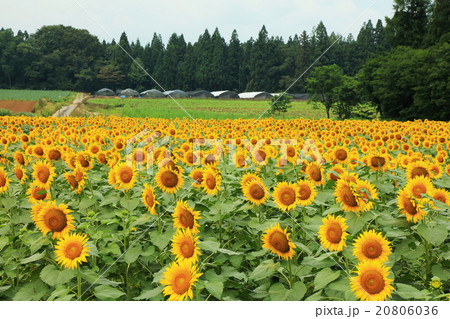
(4, 112)
(279, 103)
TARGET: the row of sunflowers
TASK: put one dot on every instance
(152, 209)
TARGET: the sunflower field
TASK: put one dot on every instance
(113, 208)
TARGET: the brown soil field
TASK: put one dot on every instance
(17, 106)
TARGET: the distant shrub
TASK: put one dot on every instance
(4, 112)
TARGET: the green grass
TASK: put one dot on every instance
(32, 95)
(197, 108)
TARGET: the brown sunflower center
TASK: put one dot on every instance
(83, 161)
(334, 233)
(126, 175)
(279, 241)
(341, 155)
(304, 192)
(186, 218)
(419, 171)
(256, 191)
(72, 181)
(20, 159)
(73, 250)
(198, 176)
(39, 193)
(54, 155)
(261, 156)
(372, 249)
(38, 151)
(43, 174)
(315, 174)
(418, 190)
(377, 161)
(2, 180)
(189, 157)
(169, 179)
(409, 206)
(187, 248)
(372, 282)
(55, 219)
(19, 174)
(290, 151)
(347, 197)
(210, 182)
(139, 156)
(287, 196)
(149, 199)
(181, 283)
(440, 197)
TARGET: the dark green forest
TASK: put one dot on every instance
(400, 65)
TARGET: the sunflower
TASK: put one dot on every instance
(56, 219)
(277, 242)
(285, 195)
(179, 278)
(372, 282)
(72, 250)
(185, 217)
(315, 173)
(43, 174)
(336, 171)
(36, 193)
(347, 197)
(125, 176)
(20, 159)
(53, 154)
(148, 197)
(211, 181)
(378, 162)
(332, 233)
(417, 168)
(256, 192)
(168, 180)
(410, 206)
(197, 176)
(20, 173)
(441, 195)
(184, 246)
(306, 192)
(85, 160)
(250, 177)
(435, 171)
(340, 154)
(4, 180)
(366, 193)
(371, 246)
(419, 185)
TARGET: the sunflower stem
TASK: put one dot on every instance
(79, 282)
(220, 227)
(427, 260)
(290, 273)
(127, 279)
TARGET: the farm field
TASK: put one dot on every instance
(32, 95)
(120, 208)
(42, 103)
(197, 108)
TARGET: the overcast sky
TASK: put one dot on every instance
(141, 18)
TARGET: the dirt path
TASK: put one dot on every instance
(67, 110)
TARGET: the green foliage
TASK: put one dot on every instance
(33, 95)
(409, 83)
(322, 84)
(279, 103)
(4, 112)
(198, 108)
(347, 97)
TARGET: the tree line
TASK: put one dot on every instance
(409, 81)
(62, 57)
